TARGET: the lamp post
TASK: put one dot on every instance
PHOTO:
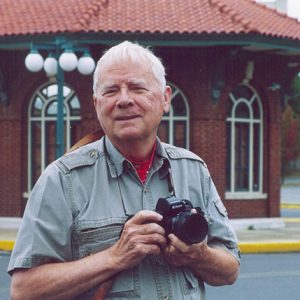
(61, 59)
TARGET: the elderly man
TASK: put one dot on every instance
(91, 216)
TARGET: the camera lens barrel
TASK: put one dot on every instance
(191, 228)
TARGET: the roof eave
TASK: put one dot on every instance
(259, 42)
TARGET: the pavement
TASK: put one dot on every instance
(255, 235)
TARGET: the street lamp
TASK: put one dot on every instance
(61, 58)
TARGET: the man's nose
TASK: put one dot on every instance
(124, 98)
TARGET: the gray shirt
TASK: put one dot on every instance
(81, 201)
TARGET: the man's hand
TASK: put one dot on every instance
(178, 253)
(213, 265)
(141, 236)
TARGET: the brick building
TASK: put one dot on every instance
(229, 63)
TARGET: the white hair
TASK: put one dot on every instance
(136, 54)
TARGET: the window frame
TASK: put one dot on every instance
(171, 118)
(42, 120)
(233, 193)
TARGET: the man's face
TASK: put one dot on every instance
(130, 102)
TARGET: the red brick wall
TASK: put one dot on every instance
(191, 70)
(208, 127)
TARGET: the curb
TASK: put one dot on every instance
(291, 220)
(269, 247)
(245, 247)
(290, 205)
(6, 245)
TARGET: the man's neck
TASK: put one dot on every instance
(136, 150)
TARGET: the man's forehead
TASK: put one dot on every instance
(126, 67)
(114, 81)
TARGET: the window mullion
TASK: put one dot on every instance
(43, 144)
(29, 163)
(251, 154)
(261, 157)
(171, 127)
(232, 153)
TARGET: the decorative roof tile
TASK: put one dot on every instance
(28, 17)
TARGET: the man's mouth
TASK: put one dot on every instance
(124, 118)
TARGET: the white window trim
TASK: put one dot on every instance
(245, 195)
(42, 120)
(171, 118)
(232, 194)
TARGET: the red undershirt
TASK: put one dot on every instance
(143, 167)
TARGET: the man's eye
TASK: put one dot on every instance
(109, 92)
(138, 89)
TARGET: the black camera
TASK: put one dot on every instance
(191, 228)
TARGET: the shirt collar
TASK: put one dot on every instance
(116, 160)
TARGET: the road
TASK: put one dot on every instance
(4, 277)
(290, 194)
(263, 277)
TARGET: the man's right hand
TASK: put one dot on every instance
(140, 237)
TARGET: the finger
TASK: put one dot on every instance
(145, 216)
(151, 233)
(151, 228)
(154, 239)
(152, 249)
(177, 243)
(131, 229)
(172, 251)
(172, 255)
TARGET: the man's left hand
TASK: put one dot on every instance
(178, 253)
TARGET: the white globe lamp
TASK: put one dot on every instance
(86, 64)
(68, 61)
(34, 61)
(50, 66)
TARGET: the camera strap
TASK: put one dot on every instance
(171, 182)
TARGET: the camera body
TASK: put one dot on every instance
(191, 228)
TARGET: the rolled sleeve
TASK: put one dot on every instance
(45, 232)
(221, 234)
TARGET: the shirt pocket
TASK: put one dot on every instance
(189, 283)
(220, 207)
(91, 237)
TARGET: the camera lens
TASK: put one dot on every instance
(190, 228)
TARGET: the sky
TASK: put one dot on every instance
(294, 8)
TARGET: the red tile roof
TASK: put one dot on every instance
(27, 17)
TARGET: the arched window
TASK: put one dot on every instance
(174, 127)
(244, 144)
(42, 123)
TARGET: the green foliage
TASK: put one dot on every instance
(290, 135)
(294, 102)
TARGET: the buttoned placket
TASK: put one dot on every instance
(160, 269)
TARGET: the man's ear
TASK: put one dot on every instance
(167, 98)
(94, 101)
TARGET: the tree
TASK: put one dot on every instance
(290, 147)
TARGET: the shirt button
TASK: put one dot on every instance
(93, 154)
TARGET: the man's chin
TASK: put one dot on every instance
(131, 136)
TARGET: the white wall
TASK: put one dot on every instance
(280, 5)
